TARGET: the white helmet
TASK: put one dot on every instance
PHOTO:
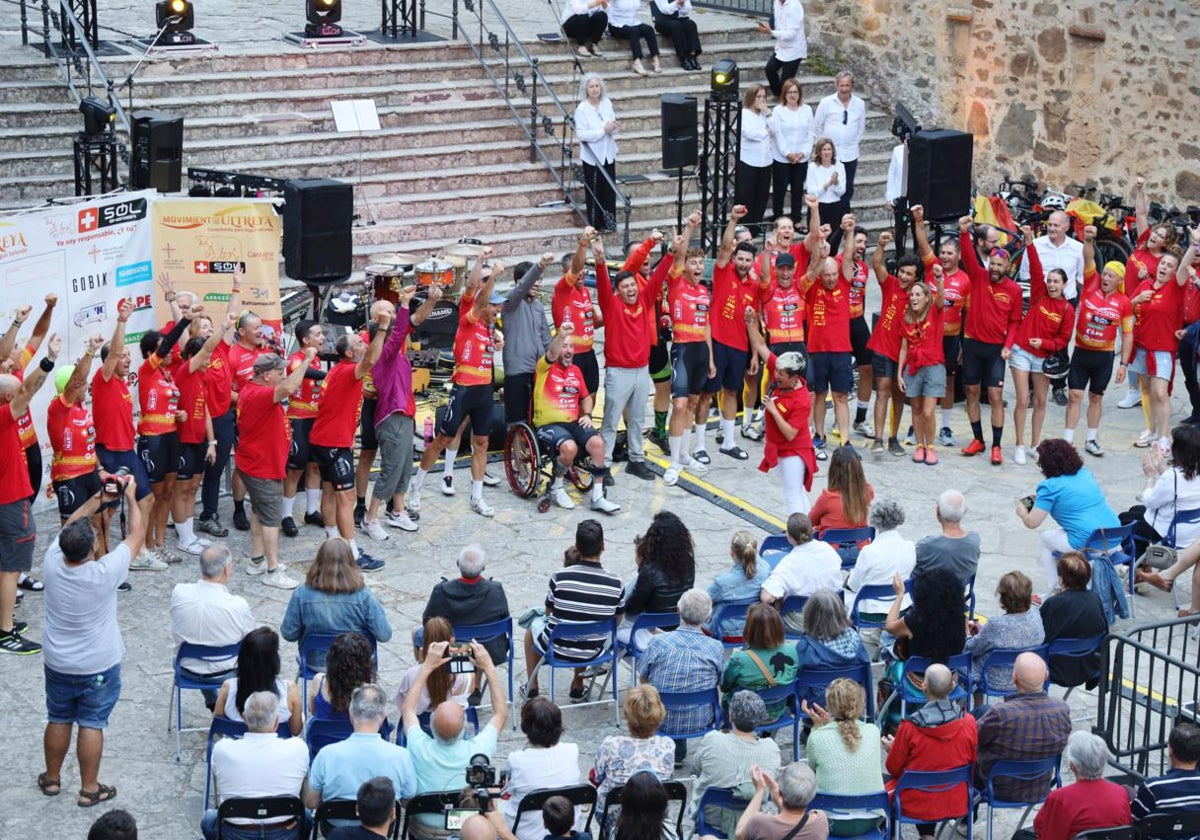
(1054, 201)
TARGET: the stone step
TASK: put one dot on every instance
(31, 91)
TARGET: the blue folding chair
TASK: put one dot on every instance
(1027, 770)
(735, 612)
(873, 592)
(226, 728)
(1116, 544)
(812, 683)
(933, 781)
(909, 695)
(842, 806)
(565, 631)
(644, 621)
(1081, 648)
(313, 650)
(484, 633)
(792, 604)
(969, 597)
(773, 548)
(321, 732)
(847, 542)
(790, 716)
(688, 701)
(188, 682)
(715, 797)
(1006, 658)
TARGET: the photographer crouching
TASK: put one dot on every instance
(81, 642)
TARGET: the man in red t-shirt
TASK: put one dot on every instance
(956, 295)
(302, 413)
(860, 333)
(242, 354)
(262, 460)
(572, 302)
(887, 337)
(17, 530)
(332, 436)
(827, 301)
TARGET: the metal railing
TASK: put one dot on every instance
(547, 123)
(759, 8)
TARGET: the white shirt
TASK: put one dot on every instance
(791, 132)
(538, 768)
(818, 176)
(805, 569)
(81, 634)
(888, 554)
(755, 146)
(670, 7)
(595, 145)
(206, 613)
(623, 13)
(577, 7)
(282, 687)
(896, 177)
(790, 43)
(843, 124)
(1067, 256)
(1173, 491)
(259, 764)
(460, 690)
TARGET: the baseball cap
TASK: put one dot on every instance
(62, 376)
(496, 299)
(785, 260)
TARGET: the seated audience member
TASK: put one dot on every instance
(955, 549)
(350, 663)
(441, 684)
(1074, 613)
(558, 819)
(258, 670)
(376, 806)
(546, 763)
(934, 626)
(938, 736)
(441, 759)
(886, 555)
(666, 561)
(620, 756)
(471, 599)
(644, 810)
(581, 592)
(256, 765)
(206, 613)
(1024, 726)
(847, 496)
(829, 639)
(809, 566)
(117, 824)
(792, 794)
(844, 751)
(767, 660)
(1091, 802)
(333, 599)
(1178, 792)
(724, 759)
(342, 767)
(1171, 484)
(685, 660)
(1019, 626)
(740, 583)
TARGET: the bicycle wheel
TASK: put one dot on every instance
(1109, 250)
(521, 460)
(580, 476)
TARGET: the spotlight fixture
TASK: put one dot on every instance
(98, 115)
(175, 19)
(323, 17)
(725, 79)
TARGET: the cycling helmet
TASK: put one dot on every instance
(1053, 201)
(1055, 365)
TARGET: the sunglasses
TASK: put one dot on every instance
(845, 117)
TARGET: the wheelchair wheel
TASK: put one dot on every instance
(521, 460)
(580, 476)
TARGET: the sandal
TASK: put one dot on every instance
(44, 783)
(31, 584)
(1187, 612)
(91, 798)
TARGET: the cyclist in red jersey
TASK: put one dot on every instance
(74, 469)
(922, 365)
(573, 302)
(14, 358)
(860, 335)
(830, 362)
(301, 414)
(956, 294)
(242, 353)
(887, 337)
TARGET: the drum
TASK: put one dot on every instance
(435, 271)
(385, 280)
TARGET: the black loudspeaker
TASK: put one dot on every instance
(680, 142)
(939, 172)
(317, 218)
(156, 157)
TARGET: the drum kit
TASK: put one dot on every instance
(448, 269)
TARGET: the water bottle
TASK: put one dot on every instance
(428, 430)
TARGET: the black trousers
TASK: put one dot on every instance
(518, 394)
(683, 34)
(600, 197)
(831, 214)
(785, 176)
(779, 72)
(635, 35)
(851, 169)
(585, 29)
(753, 190)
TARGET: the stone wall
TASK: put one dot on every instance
(1081, 91)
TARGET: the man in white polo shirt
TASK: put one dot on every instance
(1057, 250)
(842, 117)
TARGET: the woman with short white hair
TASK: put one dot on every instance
(1091, 802)
(596, 129)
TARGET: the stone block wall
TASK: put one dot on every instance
(1076, 91)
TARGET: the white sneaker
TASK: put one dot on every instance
(447, 485)
(1019, 456)
(147, 561)
(167, 556)
(1146, 438)
(490, 480)
(194, 548)
(481, 507)
(401, 520)
(695, 467)
(279, 579)
(257, 567)
(865, 428)
(562, 499)
(604, 505)
(413, 498)
(671, 476)
(374, 530)
(1132, 399)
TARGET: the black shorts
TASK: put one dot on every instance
(860, 334)
(111, 461)
(830, 371)
(982, 364)
(190, 462)
(33, 458)
(553, 435)
(586, 362)
(298, 455)
(17, 536)
(366, 427)
(660, 360)
(474, 401)
(159, 454)
(1091, 369)
(337, 465)
(689, 368)
(731, 364)
(884, 368)
(790, 347)
(74, 492)
(952, 350)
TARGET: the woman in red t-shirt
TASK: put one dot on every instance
(846, 499)
(922, 364)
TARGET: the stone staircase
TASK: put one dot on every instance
(450, 160)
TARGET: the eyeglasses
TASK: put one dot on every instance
(845, 117)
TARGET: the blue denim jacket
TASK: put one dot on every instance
(313, 611)
(731, 586)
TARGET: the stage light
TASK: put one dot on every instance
(725, 78)
(323, 16)
(175, 19)
(98, 115)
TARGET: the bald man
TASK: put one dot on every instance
(1024, 726)
(1057, 250)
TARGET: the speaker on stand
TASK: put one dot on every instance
(680, 140)
(317, 240)
(939, 173)
(156, 154)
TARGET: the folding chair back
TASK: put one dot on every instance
(484, 633)
(581, 796)
(645, 621)
(782, 695)
(934, 781)
(812, 683)
(1119, 832)
(1081, 648)
(792, 604)
(715, 797)
(873, 592)
(676, 792)
(1005, 658)
(840, 806)
(185, 681)
(772, 549)
(428, 803)
(847, 542)
(733, 612)
(710, 698)
(1019, 770)
(567, 631)
(313, 649)
(1167, 826)
(273, 808)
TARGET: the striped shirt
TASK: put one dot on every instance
(1175, 793)
(579, 593)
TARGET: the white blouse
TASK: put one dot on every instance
(596, 146)
(571, 8)
(624, 13)
(670, 7)
(755, 147)
(791, 132)
(818, 175)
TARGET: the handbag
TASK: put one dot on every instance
(754, 656)
(1161, 556)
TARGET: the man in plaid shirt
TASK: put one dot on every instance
(685, 660)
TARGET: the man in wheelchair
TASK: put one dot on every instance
(562, 416)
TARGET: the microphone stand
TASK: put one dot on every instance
(171, 21)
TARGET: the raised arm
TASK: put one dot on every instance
(918, 216)
(168, 290)
(292, 381)
(579, 260)
(426, 308)
(848, 263)
(210, 344)
(754, 333)
(560, 338)
(877, 264)
(812, 239)
(736, 214)
(35, 378)
(689, 230)
(1189, 256)
(483, 297)
(383, 322)
(83, 368)
(435, 658)
(1037, 275)
(1140, 208)
(42, 327)
(1089, 252)
(234, 306)
(116, 345)
(9, 340)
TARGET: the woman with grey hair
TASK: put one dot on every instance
(596, 129)
(792, 795)
(829, 640)
(724, 759)
(1091, 802)
(886, 555)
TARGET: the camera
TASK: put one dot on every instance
(116, 483)
(481, 773)
(462, 658)
(474, 799)
(1027, 501)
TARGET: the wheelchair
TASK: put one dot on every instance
(530, 470)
